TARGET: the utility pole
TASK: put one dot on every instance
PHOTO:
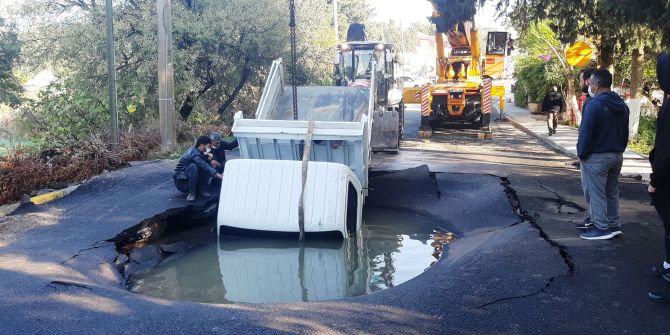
(166, 103)
(111, 73)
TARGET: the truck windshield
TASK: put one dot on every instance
(359, 66)
(496, 43)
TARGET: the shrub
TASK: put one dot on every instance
(643, 141)
(534, 78)
(63, 115)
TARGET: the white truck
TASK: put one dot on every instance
(262, 191)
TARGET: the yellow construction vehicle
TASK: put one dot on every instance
(462, 84)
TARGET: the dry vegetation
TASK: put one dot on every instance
(23, 172)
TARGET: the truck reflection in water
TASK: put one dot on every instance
(393, 248)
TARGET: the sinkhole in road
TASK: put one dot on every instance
(177, 256)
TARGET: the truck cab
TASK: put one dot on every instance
(355, 63)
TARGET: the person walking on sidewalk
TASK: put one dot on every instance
(659, 186)
(552, 104)
(603, 136)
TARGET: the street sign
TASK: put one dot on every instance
(578, 54)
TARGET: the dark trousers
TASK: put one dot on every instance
(661, 200)
(552, 116)
(191, 179)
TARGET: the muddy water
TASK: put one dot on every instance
(393, 247)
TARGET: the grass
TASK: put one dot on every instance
(640, 147)
(174, 154)
(9, 145)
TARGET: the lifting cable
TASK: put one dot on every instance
(294, 72)
(301, 148)
(294, 80)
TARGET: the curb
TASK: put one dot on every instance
(39, 199)
(51, 196)
(543, 139)
(9, 209)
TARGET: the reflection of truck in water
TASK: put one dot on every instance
(394, 248)
(460, 90)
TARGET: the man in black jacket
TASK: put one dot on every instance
(659, 187)
(603, 137)
(552, 104)
(193, 170)
(219, 148)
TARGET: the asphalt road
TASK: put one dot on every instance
(517, 266)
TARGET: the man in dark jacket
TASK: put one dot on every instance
(219, 147)
(659, 187)
(603, 137)
(552, 104)
(585, 81)
(194, 170)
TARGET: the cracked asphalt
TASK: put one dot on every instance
(517, 266)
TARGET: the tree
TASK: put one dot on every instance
(640, 42)
(650, 13)
(222, 51)
(9, 54)
(220, 47)
(351, 11)
(456, 10)
(535, 76)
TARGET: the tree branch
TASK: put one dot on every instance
(246, 70)
(558, 55)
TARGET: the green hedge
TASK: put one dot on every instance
(643, 142)
(534, 78)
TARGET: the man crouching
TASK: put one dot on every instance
(193, 170)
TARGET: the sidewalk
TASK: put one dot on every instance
(565, 140)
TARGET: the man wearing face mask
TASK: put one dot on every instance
(585, 80)
(219, 147)
(194, 171)
(603, 137)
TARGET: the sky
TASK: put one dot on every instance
(408, 11)
(6, 3)
(405, 11)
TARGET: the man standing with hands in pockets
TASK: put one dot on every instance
(603, 137)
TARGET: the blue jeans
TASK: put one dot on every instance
(585, 187)
(600, 180)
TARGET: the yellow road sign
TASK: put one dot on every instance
(578, 54)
